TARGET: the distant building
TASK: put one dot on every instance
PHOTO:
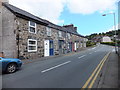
(106, 39)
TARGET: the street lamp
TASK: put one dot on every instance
(114, 29)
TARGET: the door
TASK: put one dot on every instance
(51, 48)
(75, 45)
(46, 48)
(61, 43)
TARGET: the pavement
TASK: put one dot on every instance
(108, 77)
(27, 61)
(67, 71)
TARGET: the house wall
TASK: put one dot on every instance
(106, 39)
(22, 31)
(8, 35)
(16, 34)
(0, 26)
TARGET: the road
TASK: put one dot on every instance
(70, 71)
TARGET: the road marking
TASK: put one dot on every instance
(91, 84)
(94, 48)
(97, 70)
(90, 53)
(113, 50)
(55, 67)
(82, 56)
(95, 51)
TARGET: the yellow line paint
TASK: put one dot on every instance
(91, 84)
(88, 81)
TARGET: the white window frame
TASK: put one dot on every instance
(49, 32)
(68, 34)
(35, 45)
(60, 33)
(32, 27)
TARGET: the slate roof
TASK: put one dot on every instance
(24, 14)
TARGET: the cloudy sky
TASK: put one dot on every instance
(85, 14)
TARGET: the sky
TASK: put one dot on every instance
(86, 15)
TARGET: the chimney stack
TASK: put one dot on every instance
(5, 1)
(75, 29)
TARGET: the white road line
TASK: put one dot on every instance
(55, 67)
(82, 56)
(94, 48)
(113, 50)
(90, 53)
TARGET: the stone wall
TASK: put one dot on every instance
(16, 34)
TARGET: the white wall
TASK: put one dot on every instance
(106, 39)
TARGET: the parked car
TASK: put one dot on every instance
(10, 65)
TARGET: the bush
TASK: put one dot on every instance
(108, 43)
(89, 43)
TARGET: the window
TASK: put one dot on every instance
(48, 31)
(32, 27)
(32, 45)
(60, 34)
(68, 34)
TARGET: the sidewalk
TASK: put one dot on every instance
(27, 61)
(108, 77)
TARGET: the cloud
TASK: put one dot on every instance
(90, 6)
(47, 9)
(52, 9)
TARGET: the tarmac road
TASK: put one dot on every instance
(70, 71)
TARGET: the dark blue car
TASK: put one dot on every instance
(10, 65)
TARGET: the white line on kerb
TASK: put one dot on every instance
(55, 67)
(82, 56)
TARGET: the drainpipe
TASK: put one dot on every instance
(18, 44)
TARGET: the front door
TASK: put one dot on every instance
(61, 43)
(46, 48)
(51, 48)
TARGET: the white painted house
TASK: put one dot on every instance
(106, 39)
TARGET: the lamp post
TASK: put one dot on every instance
(114, 29)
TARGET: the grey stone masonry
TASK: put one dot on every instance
(23, 35)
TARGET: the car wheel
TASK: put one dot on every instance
(11, 68)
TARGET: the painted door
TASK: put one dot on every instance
(75, 46)
(70, 46)
(46, 48)
(51, 48)
(61, 43)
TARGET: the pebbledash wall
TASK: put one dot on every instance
(26, 36)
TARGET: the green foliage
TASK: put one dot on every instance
(110, 34)
(108, 43)
(89, 43)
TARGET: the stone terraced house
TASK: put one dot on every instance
(26, 36)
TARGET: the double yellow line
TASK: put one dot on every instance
(89, 83)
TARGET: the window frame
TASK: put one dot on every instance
(60, 33)
(34, 45)
(30, 26)
(49, 31)
(68, 35)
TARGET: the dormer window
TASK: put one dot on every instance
(48, 31)
(32, 27)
